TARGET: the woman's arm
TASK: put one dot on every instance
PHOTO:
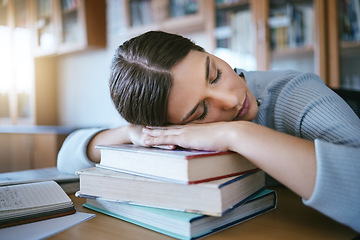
(121, 135)
(79, 152)
(290, 160)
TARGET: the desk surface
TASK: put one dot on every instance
(290, 220)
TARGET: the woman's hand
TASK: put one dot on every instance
(136, 136)
(211, 136)
(121, 135)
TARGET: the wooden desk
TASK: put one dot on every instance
(290, 220)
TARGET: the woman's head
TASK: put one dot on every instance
(206, 89)
(141, 78)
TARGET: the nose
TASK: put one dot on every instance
(224, 100)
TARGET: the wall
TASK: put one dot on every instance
(83, 95)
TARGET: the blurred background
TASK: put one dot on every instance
(55, 55)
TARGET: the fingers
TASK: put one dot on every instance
(154, 132)
(161, 131)
(157, 141)
(158, 137)
(175, 135)
(167, 146)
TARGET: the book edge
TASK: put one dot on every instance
(187, 154)
(99, 165)
(175, 235)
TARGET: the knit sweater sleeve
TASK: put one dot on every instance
(72, 155)
(337, 193)
(308, 109)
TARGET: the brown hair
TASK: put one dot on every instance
(141, 79)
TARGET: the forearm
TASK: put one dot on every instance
(110, 136)
(290, 160)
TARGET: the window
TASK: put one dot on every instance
(16, 64)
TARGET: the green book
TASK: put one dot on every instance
(184, 225)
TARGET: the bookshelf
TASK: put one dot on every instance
(180, 16)
(283, 34)
(65, 26)
(344, 44)
(234, 33)
(30, 32)
(305, 48)
(45, 27)
(61, 27)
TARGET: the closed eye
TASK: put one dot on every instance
(204, 114)
(218, 75)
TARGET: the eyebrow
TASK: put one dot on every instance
(207, 67)
(207, 71)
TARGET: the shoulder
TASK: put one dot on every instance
(263, 82)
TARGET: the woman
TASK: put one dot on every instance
(287, 123)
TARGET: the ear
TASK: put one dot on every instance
(241, 74)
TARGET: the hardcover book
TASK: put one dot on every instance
(178, 165)
(210, 198)
(183, 225)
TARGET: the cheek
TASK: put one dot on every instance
(234, 82)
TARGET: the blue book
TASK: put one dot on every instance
(184, 225)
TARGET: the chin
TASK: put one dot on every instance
(251, 114)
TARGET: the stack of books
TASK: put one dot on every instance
(182, 193)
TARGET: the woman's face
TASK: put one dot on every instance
(206, 89)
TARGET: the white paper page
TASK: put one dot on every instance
(44, 229)
(31, 195)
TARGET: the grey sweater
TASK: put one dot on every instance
(301, 105)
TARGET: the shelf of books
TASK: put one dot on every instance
(271, 34)
(234, 33)
(349, 34)
(45, 32)
(292, 29)
(71, 28)
(181, 16)
(64, 26)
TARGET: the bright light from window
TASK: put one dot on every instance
(16, 73)
(23, 61)
(5, 60)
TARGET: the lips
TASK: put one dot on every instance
(243, 111)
